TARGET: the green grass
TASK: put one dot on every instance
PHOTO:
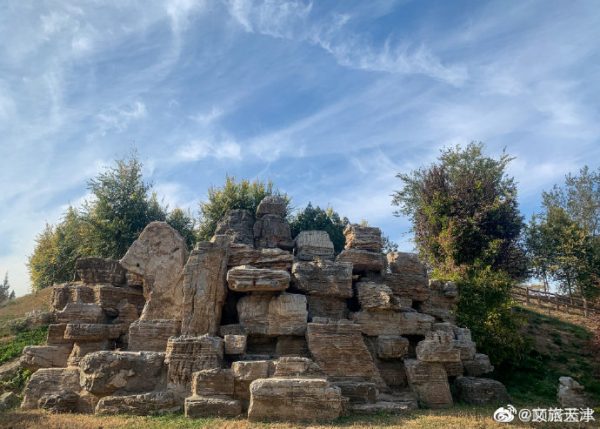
(559, 348)
(14, 347)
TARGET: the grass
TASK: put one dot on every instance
(19, 307)
(560, 348)
(13, 348)
(455, 418)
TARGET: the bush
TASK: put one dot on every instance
(15, 347)
(315, 218)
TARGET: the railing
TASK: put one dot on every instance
(554, 301)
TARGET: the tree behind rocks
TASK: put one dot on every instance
(315, 218)
(5, 293)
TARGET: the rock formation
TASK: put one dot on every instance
(254, 323)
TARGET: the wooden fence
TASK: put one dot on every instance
(554, 301)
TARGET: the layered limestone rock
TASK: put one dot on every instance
(238, 224)
(275, 259)
(332, 342)
(243, 325)
(186, 355)
(294, 399)
(100, 271)
(204, 289)
(312, 245)
(159, 255)
(571, 394)
(246, 278)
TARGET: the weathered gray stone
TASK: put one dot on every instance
(82, 349)
(211, 382)
(235, 344)
(65, 293)
(442, 300)
(237, 224)
(285, 314)
(294, 399)
(438, 346)
(478, 366)
(245, 372)
(92, 332)
(571, 394)
(480, 391)
(275, 259)
(204, 289)
(36, 357)
(45, 385)
(159, 255)
(363, 238)
(362, 260)
(249, 279)
(323, 278)
(398, 403)
(289, 345)
(152, 335)
(272, 205)
(429, 381)
(100, 271)
(75, 312)
(110, 372)
(375, 296)
(406, 263)
(313, 244)
(186, 355)
(410, 286)
(140, 405)
(375, 323)
(392, 346)
(272, 231)
(334, 342)
(211, 406)
(297, 367)
(358, 392)
(329, 307)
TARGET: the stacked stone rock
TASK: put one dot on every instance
(254, 322)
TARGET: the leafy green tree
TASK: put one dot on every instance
(121, 208)
(232, 195)
(5, 293)
(467, 227)
(315, 218)
(183, 222)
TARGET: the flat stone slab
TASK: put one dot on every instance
(246, 278)
(211, 406)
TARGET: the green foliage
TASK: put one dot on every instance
(486, 308)
(563, 242)
(120, 208)
(17, 382)
(464, 211)
(183, 222)
(232, 195)
(315, 218)
(467, 227)
(14, 348)
(5, 293)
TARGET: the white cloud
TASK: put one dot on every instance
(119, 118)
(201, 149)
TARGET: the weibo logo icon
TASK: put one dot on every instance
(505, 415)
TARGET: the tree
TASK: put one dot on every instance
(183, 222)
(315, 218)
(467, 227)
(5, 293)
(464, 211)
(232, 195)
(120, 208)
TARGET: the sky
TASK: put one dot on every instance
(330, 100)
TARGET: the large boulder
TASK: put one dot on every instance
(406, 263)
(152, 335)
(55, 389)
(334, 342)
(363, 238)
(571, 394)
(374, 323)
(294, 399)
(77, 312)
(297, 367)
(246, 278)
(142, 404)
(442, 300)
(363, 261)
(100, 271)
(212, 406)
(244, 373)
(159, 255)
(376, 296)
(275, 259)
(438, 346)
(480, 391)
(272, 231)
(392, 346)
(329, 307)
(204, 288)
(272, 205)
(430, 383)
(36, 357)
(478, 366)
(313, 245)
(213, 382)
(285, 314)
(409, 286)
(323, 278)
(237, 224)
(106, 373)
(186, 355)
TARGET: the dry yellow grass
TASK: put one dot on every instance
(457, 418)
(24, 304)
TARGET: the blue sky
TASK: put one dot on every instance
(328, 99)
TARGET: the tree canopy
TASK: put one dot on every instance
(316, 218)
(5, 293)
